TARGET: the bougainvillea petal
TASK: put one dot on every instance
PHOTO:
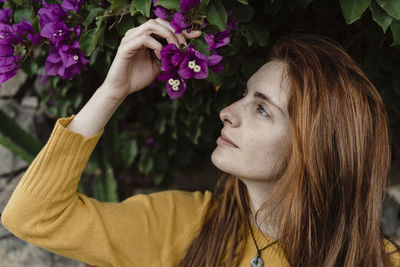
(6, 15)
(178, 22)
(186, 5)
(161, 12)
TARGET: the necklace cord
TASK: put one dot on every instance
(259, 250)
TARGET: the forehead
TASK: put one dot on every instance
(270, 79)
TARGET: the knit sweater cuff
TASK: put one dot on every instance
(57, 169)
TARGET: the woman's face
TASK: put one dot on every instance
(259, 129)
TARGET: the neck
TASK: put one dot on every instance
(259, 192)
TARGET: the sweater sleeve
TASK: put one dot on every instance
(46, 210)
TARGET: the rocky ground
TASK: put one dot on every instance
(25, 109)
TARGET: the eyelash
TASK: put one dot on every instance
(258, 105)
(261, 107)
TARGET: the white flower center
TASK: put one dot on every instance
(192, 64)
(197, 68)
(75, 57)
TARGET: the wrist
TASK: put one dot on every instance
(112, 95)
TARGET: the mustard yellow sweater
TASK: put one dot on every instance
(45, 209)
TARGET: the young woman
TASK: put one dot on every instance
(306, 153)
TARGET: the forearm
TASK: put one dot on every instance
(93, 117)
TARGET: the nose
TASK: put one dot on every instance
(230, 115)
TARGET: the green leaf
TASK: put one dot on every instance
(143, 6)
(106, 186)
(214, 78)
(111, 39)
(129, 151)
(248, 34)
(145, 164)
(18, 2)
(124, 25)
(17, 140)
(16, 149)
(89, 39)
(392, 7)
(169, 4)
(352, 10)
(117, 4)
(22, 12)
(35, 24)
(30, 66)
(245, 2)
(92, 15)
(204, 4)
(216, 14)
(158, 178)
(380, 16)
(201, 46)
(395, 28)
(260, 33)
(78, 100)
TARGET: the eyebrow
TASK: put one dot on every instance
(267, 99)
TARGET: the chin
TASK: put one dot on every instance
(222, 162)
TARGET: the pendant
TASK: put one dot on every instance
(257, 262)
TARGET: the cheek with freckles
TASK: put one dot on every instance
(259, 158)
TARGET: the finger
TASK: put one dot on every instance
(179, 36)
(140, 42)
(162, 31)
(184, 33)
(191, 34)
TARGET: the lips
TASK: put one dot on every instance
(225, 140)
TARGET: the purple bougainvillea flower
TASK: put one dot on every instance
(72, 55)
(25, 27)
(73, 60)
(8, 36)
(66, 61)
(53, 62)
(179, 22)
(57, 32)
(232, 23)
(213, 61)
(186, 5)
(51, 13)
(6, 50)
(72, 5)
(171, 57)
(176, 86)
(6, 15)
(193, 65)
(161, 12)
(217, 39)
(9, 63)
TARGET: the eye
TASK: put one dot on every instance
(264, 113)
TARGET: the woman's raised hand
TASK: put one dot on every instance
(133, 67)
